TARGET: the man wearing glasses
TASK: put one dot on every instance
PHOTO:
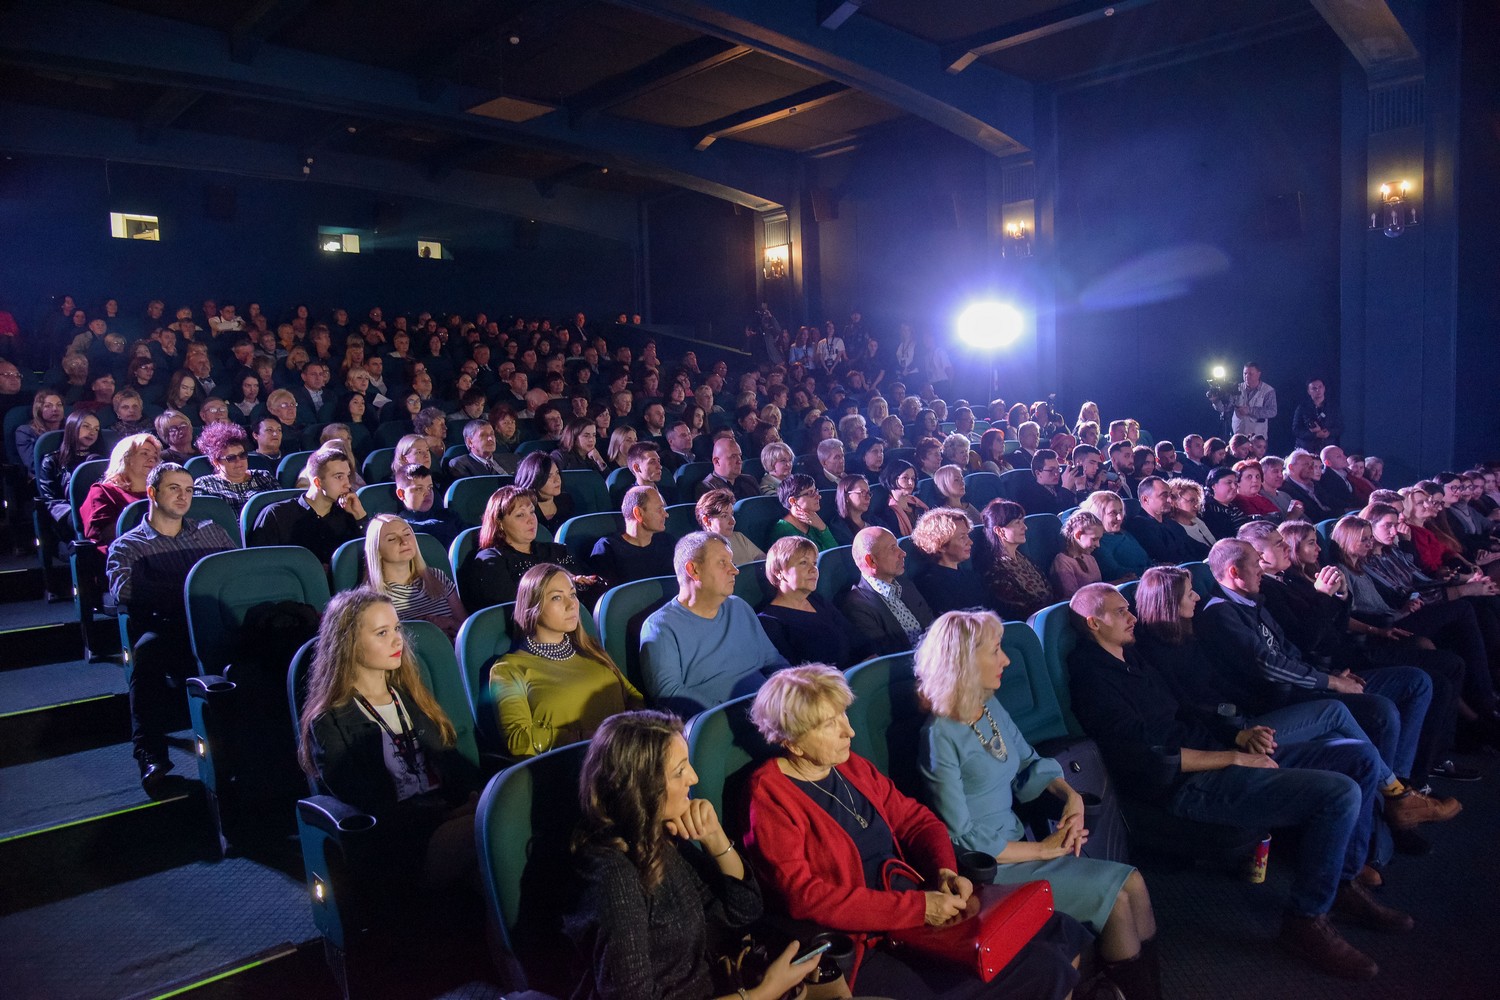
(1045, 494)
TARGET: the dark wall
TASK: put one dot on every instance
(1478, 420)
(1176, 250)
(702, 265)
(55, 214)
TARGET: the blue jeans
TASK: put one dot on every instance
(1315, 720)
(1390, 711)
(1326, 788)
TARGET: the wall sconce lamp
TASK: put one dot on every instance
(777, 260)
(1395, 210)
(1017, 242)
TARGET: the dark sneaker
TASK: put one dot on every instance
(1454, 771)
(1316, 941)
(1355, 904)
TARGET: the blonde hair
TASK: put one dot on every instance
(936, 528)
(947, 678)
(793, 701)
(1079, 521)
(123, 451)
(374, 569)
(1183, 486)
(1096, 501)
(949, 480)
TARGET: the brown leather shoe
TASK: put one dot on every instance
(1316, 941)
(1355, 904)
(1370, 877)
(1413, 807)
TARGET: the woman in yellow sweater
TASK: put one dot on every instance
(557, 685)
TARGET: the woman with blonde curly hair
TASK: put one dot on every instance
(977, 765)
(945, 579)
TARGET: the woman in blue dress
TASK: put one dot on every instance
(976, 764)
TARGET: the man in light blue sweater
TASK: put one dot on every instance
(706, 646)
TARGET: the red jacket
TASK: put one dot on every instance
(812, 864)
(100, 510)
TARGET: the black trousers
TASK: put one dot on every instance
(160, 652)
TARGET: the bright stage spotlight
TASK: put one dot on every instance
(990, 326)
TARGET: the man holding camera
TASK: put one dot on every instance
(1250, 406)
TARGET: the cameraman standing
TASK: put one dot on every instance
(1316, 423)
(1250, 407)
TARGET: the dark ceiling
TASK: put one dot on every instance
(674, 72)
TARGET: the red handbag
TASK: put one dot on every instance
(998, 922)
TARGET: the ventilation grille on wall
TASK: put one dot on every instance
(1396, 107)
(1018, 183)
(777, 229)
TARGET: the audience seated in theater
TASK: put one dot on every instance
(539, 475)
(991, 452)
(643, 459)
(776, 458)
(1120, 556)
(374, 736)
(315, 401)
(1195, 766)
(557, 686)
(326, 516)
(508, 547)
(900, 514)
(175, 431)
(1017, 587)
(1333, 489)
(728, 465)
(943, 575)
(479, 459)
(1187, 504)
(647, 898)
(1303, 470)
(949, 482)
(227, 447)
(824, 824)
(1168, 604)
(1310, 603)
(802, 625)
(852, 501)
(799, 495)
(974, 790)
(1261, 669)
(1164, 540)
(643, 549)
(124, 482)
(1043, 492)
(1075, 566)
(705, 646)
(577, 449)
(417, 496)
(884, 607)
(1273, 475)
(830, 464)
(715, 513)
(1219, 513)
(393, 566)
(1251, 499)
(47, 414)
(80, 443)
(146, 569)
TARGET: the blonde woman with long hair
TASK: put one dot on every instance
(977, 765)
(394, 566)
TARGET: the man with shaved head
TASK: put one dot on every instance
(885, 607)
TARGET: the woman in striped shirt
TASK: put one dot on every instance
(394, 567)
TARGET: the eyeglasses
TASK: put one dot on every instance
(238, 456)
(809, 495)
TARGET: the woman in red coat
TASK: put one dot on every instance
(823, 823)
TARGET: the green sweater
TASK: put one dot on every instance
(822, 538)
(551, 703)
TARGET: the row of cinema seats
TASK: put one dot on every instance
(244, 786)
(527, 812)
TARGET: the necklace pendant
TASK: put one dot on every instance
(863, 823)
